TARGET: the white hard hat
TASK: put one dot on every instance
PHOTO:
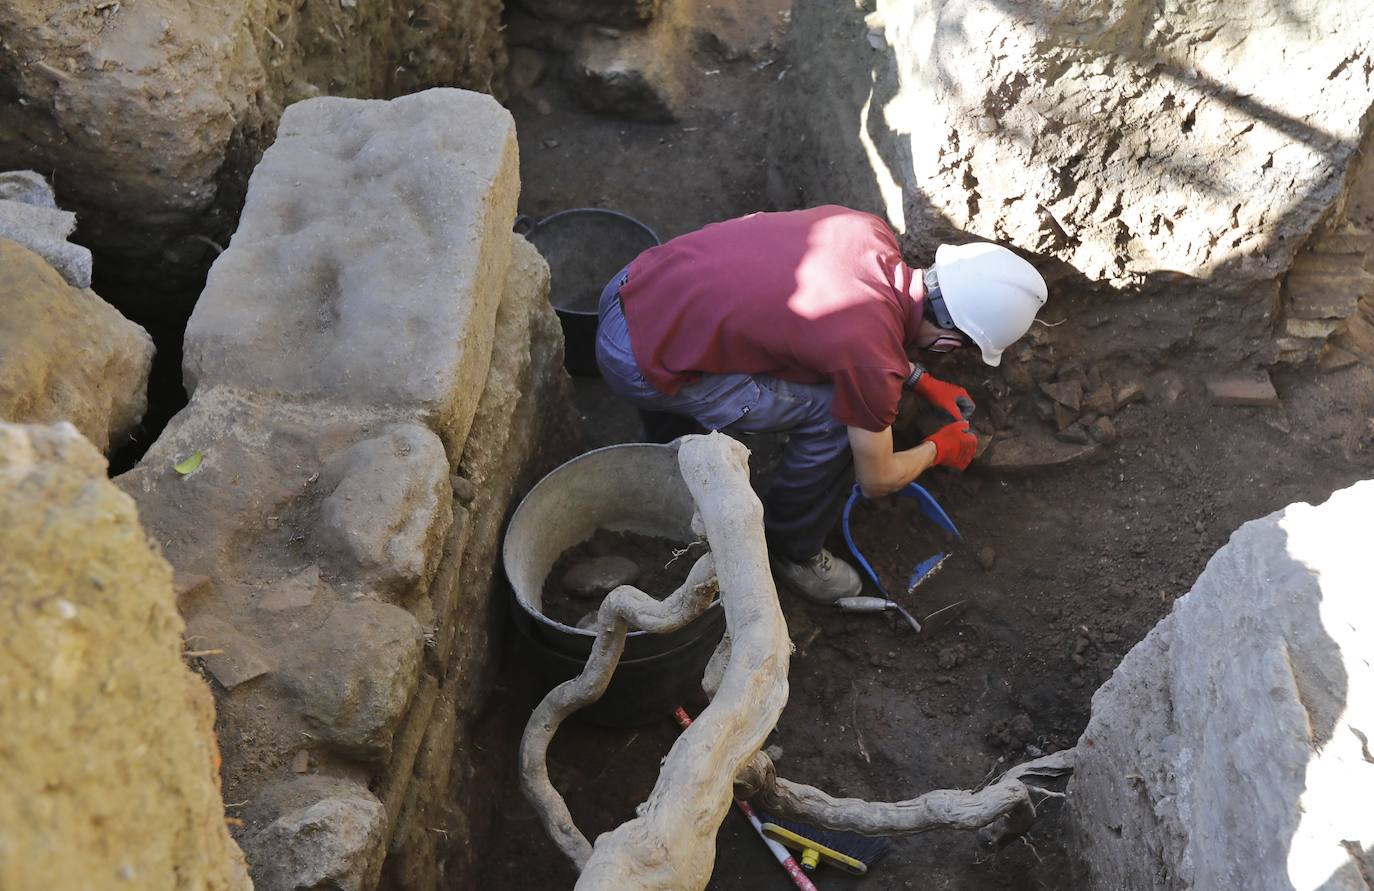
(992, 295)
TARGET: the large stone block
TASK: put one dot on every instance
(369, 260)
(108, 762)
(1143, 144)
(67, 355)
(1230, 748)
(151, 113)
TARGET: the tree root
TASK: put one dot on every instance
(1008, 800)
(623, 607)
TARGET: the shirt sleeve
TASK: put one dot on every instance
(866, 397)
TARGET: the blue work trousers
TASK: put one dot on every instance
(816, 469)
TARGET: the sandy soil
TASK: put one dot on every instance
(1077, 564)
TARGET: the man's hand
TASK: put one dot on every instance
(954, 445)
(948, 398)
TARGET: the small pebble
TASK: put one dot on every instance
(986, 557)
(301, 763)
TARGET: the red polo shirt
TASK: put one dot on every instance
(810, 296)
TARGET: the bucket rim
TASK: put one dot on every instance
(525, 605)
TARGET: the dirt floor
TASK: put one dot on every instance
(1064, 570)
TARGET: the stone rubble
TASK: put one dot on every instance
(1250, 389)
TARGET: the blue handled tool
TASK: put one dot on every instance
(931, 510)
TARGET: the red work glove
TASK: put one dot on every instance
(948, 398)
(954, 445)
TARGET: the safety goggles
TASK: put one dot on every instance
(951, 337)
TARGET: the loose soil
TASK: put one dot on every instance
(663, 567)
(1078, 562)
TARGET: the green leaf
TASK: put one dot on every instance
(188, 465)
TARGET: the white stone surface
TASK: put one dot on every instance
(1141, 143)
(1230, 748)
(370, 258)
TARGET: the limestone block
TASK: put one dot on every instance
(108, 761)
(152, 113)
(369, 259)
(389, 509)
(354, 676)
(328, 835)
(1143, 144)
(1229, 749)
(44, 231)
(27, 187)
(65, 354)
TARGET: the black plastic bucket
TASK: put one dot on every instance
(634, 487)
(584, 247)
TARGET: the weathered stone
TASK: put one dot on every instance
(987, 557)
(67, 355)
(332, 842)
(152, 114)
(353, 677)
(1326, 285)
(42, 228)
(377, 299)
(630, 76)
(1100, 400)
(231, 657)
(1333, 358)
(294, 592)
(1253, 389)
(1028, 450)
(1064, 417)
(1311, 329)
(598, 576)
(1068, 393)
(106, 747)
(1076, 434)
(389, 509)
(1229, 748)
(1113, 136)
(1129, 392)
(1102, 430)
(26, 187)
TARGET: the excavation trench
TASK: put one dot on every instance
(1080, 527)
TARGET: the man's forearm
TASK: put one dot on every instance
(901, 468)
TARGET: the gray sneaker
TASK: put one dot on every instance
(824, 578)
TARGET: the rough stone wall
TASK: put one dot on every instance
(67, 355)
(1230, 747)
(107, 753)
(361, 363)
(1145, 146)
(150, 113)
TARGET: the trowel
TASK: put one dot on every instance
(931, 510)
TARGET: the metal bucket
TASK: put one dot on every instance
(634, 487)
(584, 247)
